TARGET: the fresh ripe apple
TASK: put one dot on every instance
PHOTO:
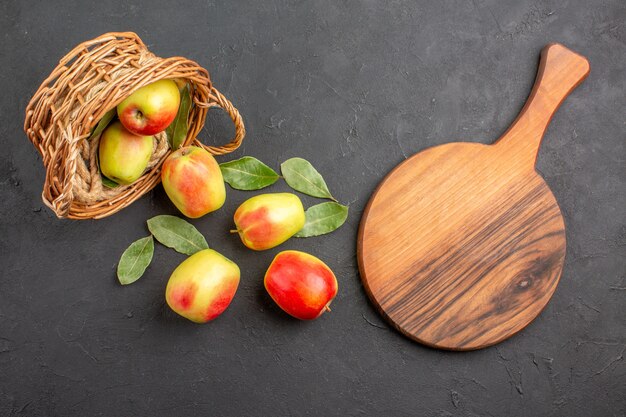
(202, 286)
(150, 109)
(193, 181)
(267, 220)
(300, 284)
(123, 155)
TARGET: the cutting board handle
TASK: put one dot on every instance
(560, 71)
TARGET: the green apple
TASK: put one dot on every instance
(202, 287)
(150, 109)
(123, 155)
(193, 181)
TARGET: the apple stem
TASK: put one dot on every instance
(235, 230)
(327, 309)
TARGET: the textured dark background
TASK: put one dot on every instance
(355, 87)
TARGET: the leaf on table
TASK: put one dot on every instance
(323, 218)
(177, 130)
(302, 176)
(103, 123)
(177, 234)
(248, 173)
(135, 260)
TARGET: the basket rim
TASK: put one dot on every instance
(80, 126)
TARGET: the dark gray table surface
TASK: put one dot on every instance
(354, 87)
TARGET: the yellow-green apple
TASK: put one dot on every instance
(193, 181)
(202, 286)
(267, 220)
(123, 155)
(301, 284)
(150, 109)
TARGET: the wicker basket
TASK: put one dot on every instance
(91, 79)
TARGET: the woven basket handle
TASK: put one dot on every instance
(217, 99)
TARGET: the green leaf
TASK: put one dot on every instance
(181, 83)
(103, 123)
(177, 130)
(177, 234)
(135, 260)
(108, 182)
(301, 176)
(248, 173)
(323, 218)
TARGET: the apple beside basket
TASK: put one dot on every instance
(90, 80)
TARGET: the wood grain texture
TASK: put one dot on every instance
(462, 245)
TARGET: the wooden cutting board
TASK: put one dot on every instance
(462, 245)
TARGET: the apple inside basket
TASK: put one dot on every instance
(66, 116)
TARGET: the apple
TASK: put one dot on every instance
(301, 284)
(193, 181)
(150, 109)
(267, 220)
(202, 286)
(123, 155)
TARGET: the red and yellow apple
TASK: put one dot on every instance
(193, 181)
(301, 284)
(150, 109)
(267, 220)
(123, 155)
(202, 286)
